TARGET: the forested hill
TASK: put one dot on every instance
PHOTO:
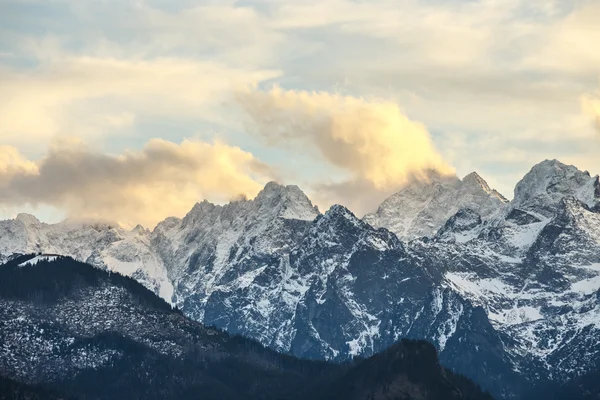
(70, 327)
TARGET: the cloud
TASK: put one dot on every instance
(161, 180)
(93, 96)
(371, 140)
(591, 106)
(12, 163)
(568, 44)
(494, 80)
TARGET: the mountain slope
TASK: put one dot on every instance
(534, 269)
(101, 335)
(348, 289)
(221, 249)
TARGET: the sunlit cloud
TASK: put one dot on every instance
(372, 140)
(591, 106)
(93, 96)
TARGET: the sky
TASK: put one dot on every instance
(132, 111)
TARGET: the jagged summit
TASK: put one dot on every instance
(294, 203)
(422, 207)
(475, 181)
(274, 199)
(273, 187)
(340, 210)
(543, 187)
(140, 230)
(337, 217)
(203, 207)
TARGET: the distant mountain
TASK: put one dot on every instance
(91, 334)
(423, 206)
(106, 245)
(508, 292)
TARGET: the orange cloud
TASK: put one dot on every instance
(372, 140)
(591, 106)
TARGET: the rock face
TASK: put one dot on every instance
(69, 327)
(422, 207)
(330, 288)
(217, 250)
(508, 292)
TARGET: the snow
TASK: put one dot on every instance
(37, 259)
(519, 315)
(448, 328)
(464, 237)
(365, 339)
(522, 237)
(467, 283)
(422, 207)
(587, 286)
(246, 280)
(592, 267)
(123, 267)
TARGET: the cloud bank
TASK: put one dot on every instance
(377, 146)
(96, 96)
(591, 106)
(145, 186)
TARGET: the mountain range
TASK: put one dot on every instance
(507, 291)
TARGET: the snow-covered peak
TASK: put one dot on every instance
(291, 200)
(272, 188)
(548, 182)
(140, 230)
(275, 200)
(201, 250)
(338, 209)
(422, 207)
(338, 212)
(203, 206)
(27, 219)
(476, 183)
